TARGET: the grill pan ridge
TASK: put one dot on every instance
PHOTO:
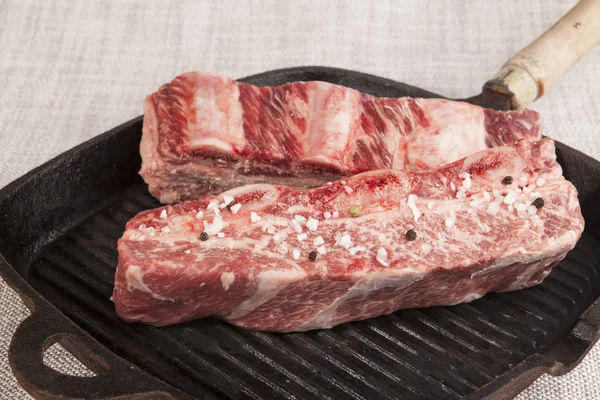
(58, 230)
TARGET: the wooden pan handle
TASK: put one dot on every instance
(531, 72)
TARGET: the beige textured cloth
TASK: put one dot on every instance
(70, 70)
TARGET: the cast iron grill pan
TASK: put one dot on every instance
(58, 234)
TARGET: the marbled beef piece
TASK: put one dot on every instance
(206, 133)
(278, 259)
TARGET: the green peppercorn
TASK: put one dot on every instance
(411, 235)
(538, 203)
(355, 211)
(204, 236)
(312, 256)
(507, 180)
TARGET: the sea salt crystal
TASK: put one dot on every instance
(336, 214)
(322, 250)
(382, 257)
(486, 195)
(299, 218)
(356, 249)
(235, 208)
(348, 189)
(296, 226)
(282, 249)
(271, 229)
(449, 222)
(532, 210)
(521, 207)
(540, 181)
(163, 214)
(276, 238)
(460, 195)
(302, 236)
(326, 215)
(142, 227)
(187, 251)
(430, 205)
(345, 241)
(254, 217)
(452, 186)
(165, 229)
(296, 254)
(318, 241)
(220, 234)
(227, 199)
(509, 198)
(312, 224)
(200, 215)
(411, 204)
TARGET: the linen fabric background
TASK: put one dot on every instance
(70, 70)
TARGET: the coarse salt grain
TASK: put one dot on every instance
(345, 241)
(283, 248)
(212, 205)
(326, 215)
(215, 227)
(452, 186)
(222, 206)
(163, 214)
(299, 218)
(521, 207)
(200, 215)
(449, 222)
(527, 189)
(356, 249)
(486, 195)
(296, 226)
(466, 180)
(318, 241)
(329, 183)
(302, 236)
(235, 208)
(312, 224)
(460, 195)
(271, 229)
(276, 237)
(509, 198)
(348, 189)
(493, 208)
(382, 257)
(254, 217)
(484, 228)
(142, 227)
(165, 229)
(430, 205)
(227, 199)
(335, 214)
(540, 181)
(343, 182)
(413, 207)
(532, 210)
(220, 234)
(510, 208)
(322, 250)
(296, 254)
(187, 251)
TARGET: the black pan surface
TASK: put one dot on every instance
(59, 226)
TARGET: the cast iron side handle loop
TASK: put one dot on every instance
(114, 377)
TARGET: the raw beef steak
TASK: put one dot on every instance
(206, 133)
(277, 259)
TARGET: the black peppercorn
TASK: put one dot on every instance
(538, 203)
(507, 180)
(204, 236)
(411, 235)
(312, 256)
